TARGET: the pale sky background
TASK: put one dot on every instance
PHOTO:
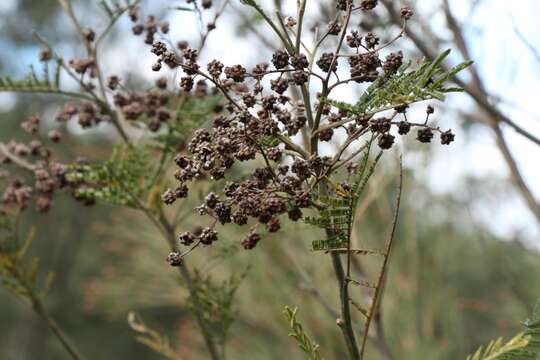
(507, 66)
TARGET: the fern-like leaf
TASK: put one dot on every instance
(304, 341)
(214, 302)
(151, 338)
(44, 84)
(524, 346)
(338, 213)
(405, 87)
(121, 180)
(498, 350)
(18, 271)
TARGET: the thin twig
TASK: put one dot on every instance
(16, 160)
(36, 300)
(384, 267)
(534, 50)
(92, 53)
(217, 15)
(167, 230)
(39, 308)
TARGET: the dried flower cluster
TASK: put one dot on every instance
(48, 176)
(269, 116)
(264, 114)
(150, 108)
(267, 119)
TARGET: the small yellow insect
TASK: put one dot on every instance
(341, 191)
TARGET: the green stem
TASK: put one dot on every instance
(274, 27)
(46, 90)
(300, 17)
(346, 326)
(36, 299)
(186, 275)
(343, 282)
(37, 304)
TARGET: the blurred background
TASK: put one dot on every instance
(467, 261)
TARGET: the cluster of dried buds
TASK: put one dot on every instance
(263, 113)
(268, 116)
(152, 104)
(47, 176)
(151, 107)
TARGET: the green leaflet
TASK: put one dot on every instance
(214, 301)
(336, 242)
(496, 349)
(405, 87)
(337, 217)
(304, 341)
(33, 82)
(120, 180)
(523, 346)
(151, 338)
(18, 270)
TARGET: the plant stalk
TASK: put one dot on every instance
(170, 236)
(346, 326)
(37, 304)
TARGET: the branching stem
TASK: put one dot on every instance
(346, 325)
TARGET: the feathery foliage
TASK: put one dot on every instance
(33, 82)
(338, 213)
(405, 87)
(45, 83)
(497, 349)
(303, 340)
(214, 303)
(532, 329)
(523, 346)
(18, 272)
(125, 177)
(151, 338)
